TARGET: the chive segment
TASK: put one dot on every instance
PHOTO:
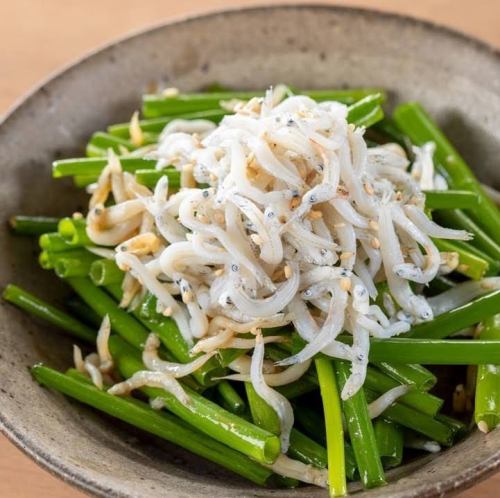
(455, 218)
(105, 272)
(334, 429)
(361, 432)
(74, 231)
(470, 264)
(68, 264)
(457, 319)
(32, 225)
(154, 106)
(366, 111)
(122, 323)
(203, 414)
(389, 437)
(156, 125)
(422, 401)
(150, 177)
(54, 242)
(420, 127)
(451, 199)
(161, 424)
(231, 399)
(416, 421)
(412, 374)
(92, 166)
(41, 309)
(487, 400)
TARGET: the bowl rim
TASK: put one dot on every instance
(58, 468)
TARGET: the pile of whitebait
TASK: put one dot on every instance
(284, 215)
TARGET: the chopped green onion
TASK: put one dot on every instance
(33, 225)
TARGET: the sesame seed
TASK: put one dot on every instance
(310, 176)
(136, 134)
(278, 274)
(375, 243)
(170, 92)
(346, 255)
(256, 239)
(167, 311)
(187, 296)
(288, 271)
(459, 399)
(368, 189)
(314, 215)
(483, 427)
(219, 217)
(345, 284)
(373, 225)
(342, 191)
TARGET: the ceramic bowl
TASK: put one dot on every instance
(456, 78)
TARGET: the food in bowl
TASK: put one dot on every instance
(261, 278)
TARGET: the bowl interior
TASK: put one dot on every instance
(456, 78)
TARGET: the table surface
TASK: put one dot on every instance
(37, 38)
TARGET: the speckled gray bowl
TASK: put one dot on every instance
(458, 79)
